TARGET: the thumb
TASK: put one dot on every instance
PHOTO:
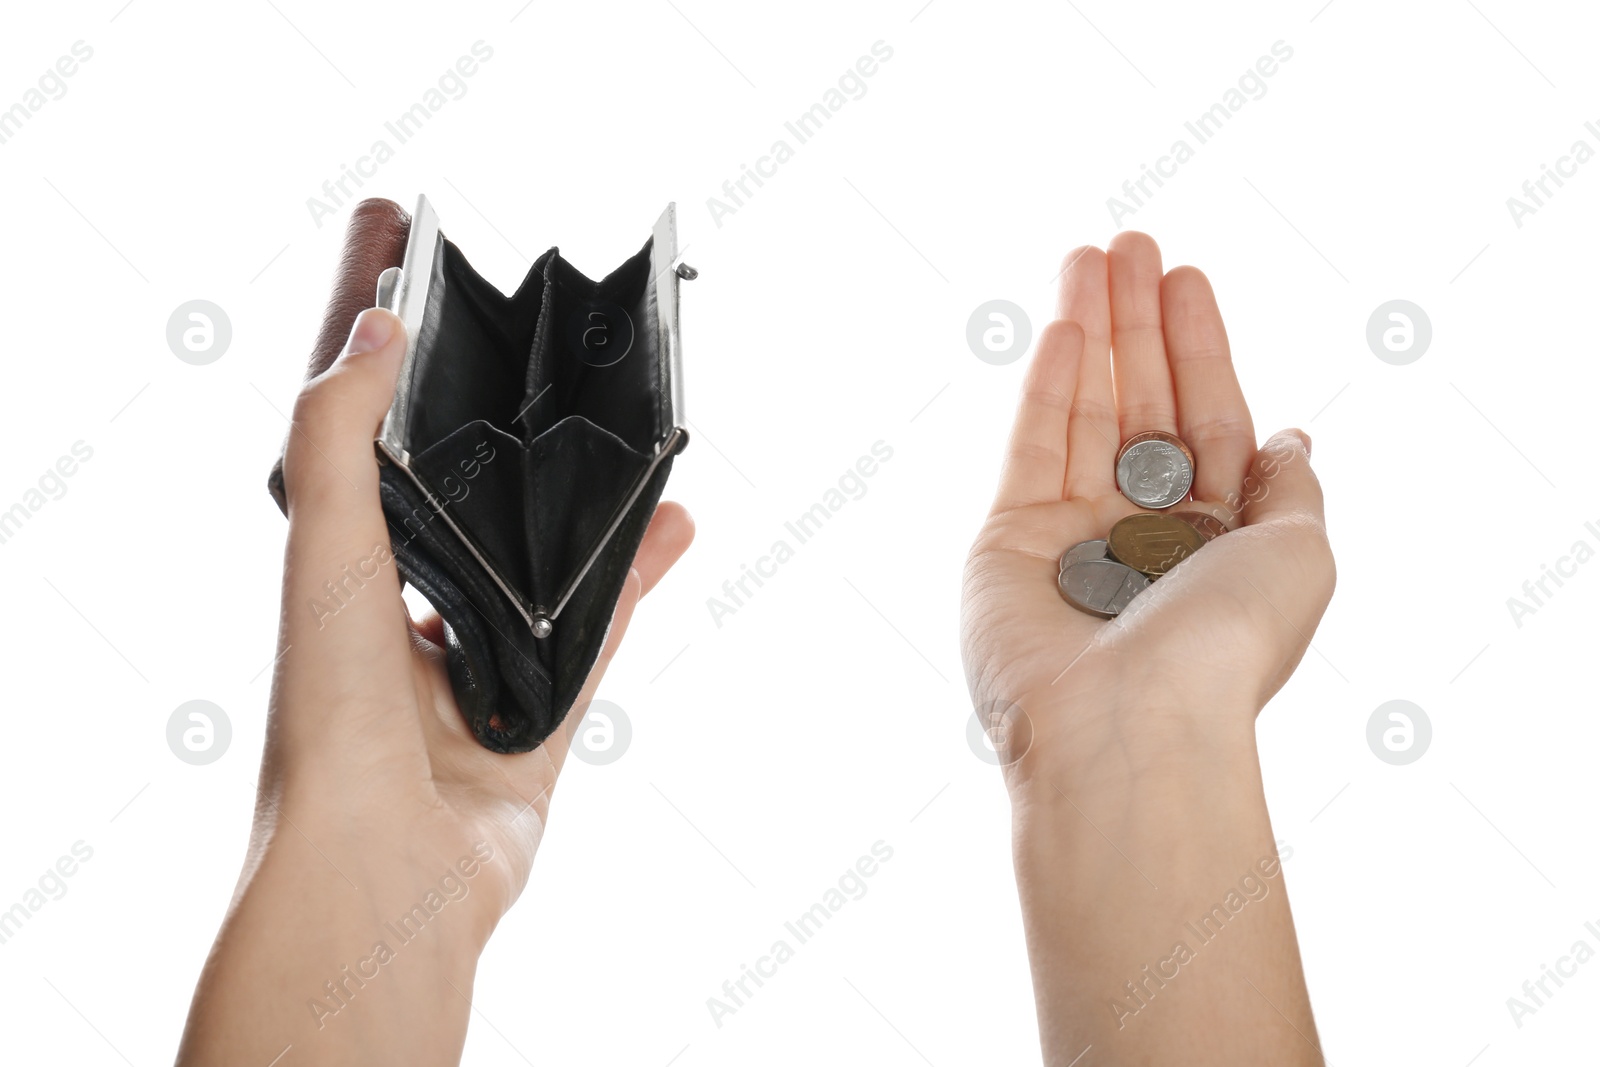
(1281, 486)
(1290, 564)
(340, 559)
(329, 466)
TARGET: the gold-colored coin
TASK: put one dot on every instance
(1210, 526)
(1153, 544)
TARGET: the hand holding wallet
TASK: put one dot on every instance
(529, 441)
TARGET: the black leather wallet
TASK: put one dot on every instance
(528, 443)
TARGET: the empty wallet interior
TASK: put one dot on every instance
(529, 420)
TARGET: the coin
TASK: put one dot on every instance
(1153, 544)
(1155, 469)
(1081, 551)
(1101, 587)
(1210, 526)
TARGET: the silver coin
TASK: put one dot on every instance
(1154, 474)
(1101, 587)
(1083, 550)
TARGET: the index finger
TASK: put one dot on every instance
(1036, 458)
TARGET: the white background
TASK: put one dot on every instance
(830, 711)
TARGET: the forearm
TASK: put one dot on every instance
(1157, 920)
(342, 974)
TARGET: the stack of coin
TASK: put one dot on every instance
(1154, 470)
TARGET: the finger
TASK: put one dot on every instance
(339, 577)
(1291, 567)
(1092, 436)
(1139, 350)
(559, 742)
(1281, 486)
(1213, 418)
(530, 777)
(330, 468)
(429, 626)
(668, 536)
(666, 539)
(374, 240)
(1036, 459)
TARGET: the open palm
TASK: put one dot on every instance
(1134, 350)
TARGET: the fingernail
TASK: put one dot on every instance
(374, 328)
(1305, 439)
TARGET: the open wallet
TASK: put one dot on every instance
(528, 443)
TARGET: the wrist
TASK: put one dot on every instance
(408, 888)
(324, 909)
(1116, 737)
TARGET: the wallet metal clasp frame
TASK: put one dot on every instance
(404, 290)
